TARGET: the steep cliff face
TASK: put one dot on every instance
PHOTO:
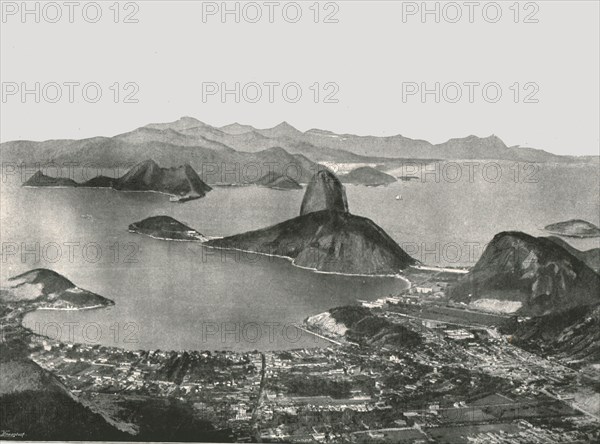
(537, 272)
(324, 192)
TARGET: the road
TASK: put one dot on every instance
(259, 397)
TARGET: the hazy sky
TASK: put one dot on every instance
(368, 59)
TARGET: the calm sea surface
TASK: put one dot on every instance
(179, 295)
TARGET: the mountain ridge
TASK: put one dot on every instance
(190, 140)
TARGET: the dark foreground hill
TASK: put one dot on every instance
(35, 404)
(573, 335)
(538, 273)
(590, 257)
(182, 183)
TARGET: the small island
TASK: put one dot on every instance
(166, 228)
(574, 228)
(367, 176)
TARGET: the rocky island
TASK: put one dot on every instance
(43, 288)
(166, 228)
(326, 237)
(521, 273)
(574, 228)
(367, 176)
(181, 183)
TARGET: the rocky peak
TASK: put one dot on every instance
(324, 192)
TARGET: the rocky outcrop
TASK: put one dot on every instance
(535, 271)
(182, 183)
(328, 241)
(589, 257)
(278, 182)
(326, 237)
(324, 192)
(50, 289)
(574, 228)
(572, 336)
(359, 325)
(39, 179)
(165, 227)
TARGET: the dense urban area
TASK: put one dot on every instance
(414, 368)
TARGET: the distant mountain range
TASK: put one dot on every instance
(223, 155)
(182, 183)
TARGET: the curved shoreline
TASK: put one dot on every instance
(93, 307)
(169, 239)
(181, 199)
(290, 259)
(314, 270)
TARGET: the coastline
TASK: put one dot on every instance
(572, 236)
(169, 239)
(20, 317)
(92, 307)
(314, 270)
(180, 199)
